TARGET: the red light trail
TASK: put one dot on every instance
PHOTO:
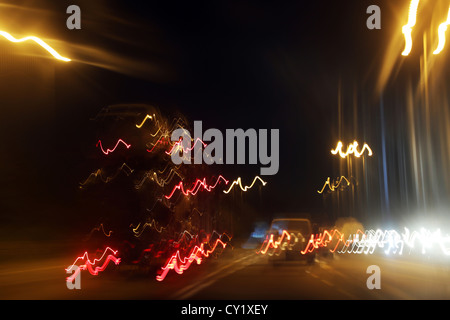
(314, 243)
(99, 143)
(179, 144)
(196, 187)
(270, 243)
(160, 140)
(391, 241)
(323, 240)
(179, 265)
(89, 264)
(86, 256)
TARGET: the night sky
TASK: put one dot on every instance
(232, 64)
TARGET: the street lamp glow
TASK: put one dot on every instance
(441, 34)
(351, 149)
(38, 41)
(407, 28)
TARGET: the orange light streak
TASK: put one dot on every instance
(270, 243)
(407, 28)
(40, 42)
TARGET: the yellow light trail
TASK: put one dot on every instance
(407, 28)
(238, 182)
(153, 176)
(143, 121)
(99, 173)
(99, 228)
(441, 33)
(352, 148)
(333, 186)
(38, 41)
(147, 224)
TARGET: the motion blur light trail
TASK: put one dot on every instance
(179, 145)
(98, 229)
(38, 41)
(179, 265)
(202, 183)
(351, 149)
(196, 187)
(185, 235)
(88, 264)
(407, 28)
(239, 183)
(99, 143)
(99, 174)
(163, 245)
(390, 241)
(269, 242)
(394, 242)
(151, 224)
(94, 272)
(143, 121)
(152, 175)
(333, 186)
(441, 34)
(323, 240)
(158, 142)
(85, 256)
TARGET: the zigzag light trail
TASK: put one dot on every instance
(196, 187)
(407, 28)
(185, 234)
(159, 141)
(238, 182)
(160, 181)
(99, 143)
(351, 149)
(179, 265)
(44, 45)
(99, 228)
(441, 33)
(270, 243)
(89, 264)
(94, 272)
(85, 256)
(333, 186)
(99, 173)
(143, 121)
(152, 224)
(178, 145)
(390, 241)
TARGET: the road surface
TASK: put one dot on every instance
(237, 274)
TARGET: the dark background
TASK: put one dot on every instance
(231, 64)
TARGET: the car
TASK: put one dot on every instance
(291, 247)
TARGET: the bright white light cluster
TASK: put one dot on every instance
(393, 242)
